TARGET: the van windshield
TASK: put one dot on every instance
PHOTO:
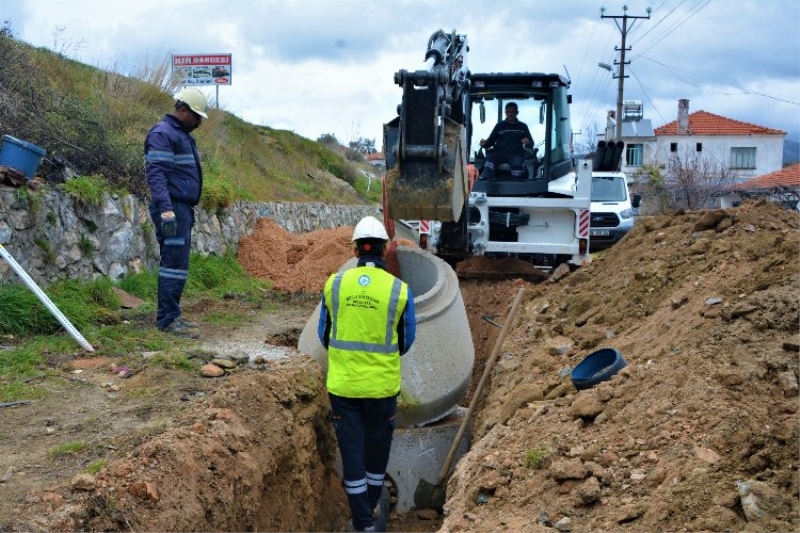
(609, 189)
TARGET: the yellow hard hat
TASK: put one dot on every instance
(370, 228)
(196, 100)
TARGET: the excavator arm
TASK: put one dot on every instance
(426, 149)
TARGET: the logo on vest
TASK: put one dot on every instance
(363, 280)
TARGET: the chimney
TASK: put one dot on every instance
(683, 116)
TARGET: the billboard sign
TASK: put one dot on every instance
(202, 69)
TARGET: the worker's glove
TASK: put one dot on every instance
(169, 225)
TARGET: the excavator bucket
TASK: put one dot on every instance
(430, 186)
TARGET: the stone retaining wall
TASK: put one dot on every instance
(53, 237)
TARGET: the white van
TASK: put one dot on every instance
(611, 211)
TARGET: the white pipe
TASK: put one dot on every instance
(45, 300)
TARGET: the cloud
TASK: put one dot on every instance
(322, 66)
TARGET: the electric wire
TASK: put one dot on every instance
(647, 96)
(672, 70)
(658, 23)
(677, 25)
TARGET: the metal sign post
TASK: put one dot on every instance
(45, 300)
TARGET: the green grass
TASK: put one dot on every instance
(174, 362)
(87, 190)
(68, 448)
(86, 245)
(93, 309)
(96, 466)
(221, 276)
(534, 459)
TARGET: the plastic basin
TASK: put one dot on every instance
(597, 367)
(21, 155)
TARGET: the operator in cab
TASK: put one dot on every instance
(509, 138)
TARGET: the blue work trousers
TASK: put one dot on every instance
(174, 267)
(516, 162)
(364, 429)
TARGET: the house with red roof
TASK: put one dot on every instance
(781, 186)
(748, 150)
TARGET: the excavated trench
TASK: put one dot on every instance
(436, 373)
(259, 452)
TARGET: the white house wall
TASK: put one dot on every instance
(769, 150)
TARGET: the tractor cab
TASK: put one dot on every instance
(543, 105)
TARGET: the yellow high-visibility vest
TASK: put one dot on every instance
(365, 305)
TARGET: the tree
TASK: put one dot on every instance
(690, 181)
(647, 179)
(329, 140)
(365, 146)
(587, 144)
(695, 180)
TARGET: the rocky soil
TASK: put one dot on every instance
(698, 433)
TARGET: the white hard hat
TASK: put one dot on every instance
(196, 100)
(370, 228)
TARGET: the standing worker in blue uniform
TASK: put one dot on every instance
(509, 138)
(367, 322)
(172, 166)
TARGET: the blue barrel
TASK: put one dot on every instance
(21, 155)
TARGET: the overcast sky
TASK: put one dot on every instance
(327, 66)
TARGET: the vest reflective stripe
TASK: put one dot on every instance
(365, 305)
(387, 346)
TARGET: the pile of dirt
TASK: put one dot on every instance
(703, 307)
(294, 262)
(698, 432)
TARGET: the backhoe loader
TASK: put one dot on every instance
(434, 163)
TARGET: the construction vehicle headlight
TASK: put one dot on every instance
(625, 214)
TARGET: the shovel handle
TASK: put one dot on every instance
(486, 371)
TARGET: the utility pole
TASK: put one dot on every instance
(624, 29)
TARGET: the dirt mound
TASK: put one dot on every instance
(295, 262)
(704, 308)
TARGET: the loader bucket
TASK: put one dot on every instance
(422, 187)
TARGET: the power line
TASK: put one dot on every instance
(672, 70)
(677, 25)
(647, 96)
(658, 23)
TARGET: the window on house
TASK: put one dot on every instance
(673, 147)
(743, 158)
(699, 147)
(633, 155)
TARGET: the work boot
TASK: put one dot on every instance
(179, 329)
(381, 511)
(193, 325)
(350, 527)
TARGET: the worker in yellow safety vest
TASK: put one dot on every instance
(367, 322)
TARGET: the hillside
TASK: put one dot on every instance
(93, 122)
(791, 152)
